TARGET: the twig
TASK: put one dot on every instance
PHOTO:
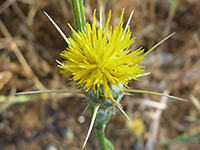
(5, 5)
(150, 103)
(15, 49)
(154, 127)
(19, 13)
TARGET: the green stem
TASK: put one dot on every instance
(100, 137)
(99, 131)
(101, 120)
(79, 16)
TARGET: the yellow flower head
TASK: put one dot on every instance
(136, 126)
(101, 57)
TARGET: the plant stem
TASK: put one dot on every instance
(100, 137)
(79, 16)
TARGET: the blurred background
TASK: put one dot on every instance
(29, 46)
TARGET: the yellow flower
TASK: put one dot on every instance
(101, 57)
(136, 127)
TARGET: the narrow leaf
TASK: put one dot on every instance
(51, 91)
(153, 93)
(180, 138)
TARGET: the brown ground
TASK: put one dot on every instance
(29, 45)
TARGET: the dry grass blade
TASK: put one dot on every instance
(5, 5)
(155, 125)
(4, 78)
(21, 58)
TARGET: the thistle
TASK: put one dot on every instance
(101, 63)
(99, 59)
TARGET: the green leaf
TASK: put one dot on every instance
(109, 145)
(51, 91)
(180, 138)
(6, 102)
(18, 99)
(153, 93)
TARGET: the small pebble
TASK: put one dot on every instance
(68, 133)
(51, 148)
(81, 119)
